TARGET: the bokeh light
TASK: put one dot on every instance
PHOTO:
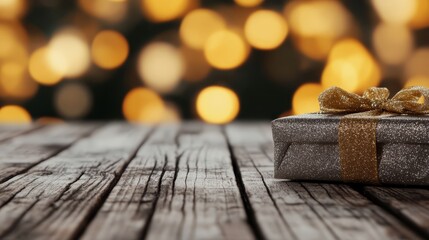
(248, 3)
(420, 18)
(171, 114)
(14, 81)
(80, 57)
(417, 81)
(351, 67)
(108, 10)
(218, 105)
(73, 100)
(417, 65)
(109, 49)
(13, 40)
(225, 49)
(395, 11)
(161, 66)
(196, 66)
(13, 114)
(198, 25)
(12, 9)
(265, 29)
(316, 25)
(143, 105)
(393, 43)
(68, 53)
(164, 10)
(305, 98)
(40, 69)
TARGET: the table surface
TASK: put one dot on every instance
(190, 181)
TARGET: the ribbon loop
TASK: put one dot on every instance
(337, 100)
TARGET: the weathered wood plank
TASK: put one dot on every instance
(24, 151)
(181, 185)
(411, 204)
(9, 130)
(304, 210)
(128, 208)
(55, 199)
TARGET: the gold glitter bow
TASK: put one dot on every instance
(357, 131)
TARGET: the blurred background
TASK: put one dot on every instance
(216, 60)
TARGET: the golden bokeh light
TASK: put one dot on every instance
(40, 69)
(317, 18)
(351, 67)
(109, 49)
(108, 10)
(395, 11)
(305, 98)
(13, 40)
(417, 65)
(143, 105)
(164, 10)
(73, 100)
(420, 17)
(198, 25)
(217, 105)
(13, 114)
(316, 25)
(417, 81)
(161, 66)
(341, 73)
(171, 114)
(265, 29)
(14, 81)
(248, 3)
(393, 43)
(12, 9)
(68, 53)
(225, 49)
(196, 66)
(314, 47)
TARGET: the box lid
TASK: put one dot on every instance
(323, 128)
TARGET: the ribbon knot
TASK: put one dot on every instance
(406, 101)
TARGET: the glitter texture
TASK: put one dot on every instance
(306, 148)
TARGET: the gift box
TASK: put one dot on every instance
(371, 147)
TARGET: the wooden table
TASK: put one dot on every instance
(188, 181)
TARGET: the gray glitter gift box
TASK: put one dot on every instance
(307, 148)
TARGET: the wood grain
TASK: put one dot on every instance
(24, 151)
(8, 131)
(181, 185)
(181, 181)
(304, 210)
(410, 204)
(55, 199)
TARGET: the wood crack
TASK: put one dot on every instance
(55, 153)
(251, 218)
(152, 212)
(81, 229)
(272, 199)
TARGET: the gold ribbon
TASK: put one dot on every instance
(357, 130)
